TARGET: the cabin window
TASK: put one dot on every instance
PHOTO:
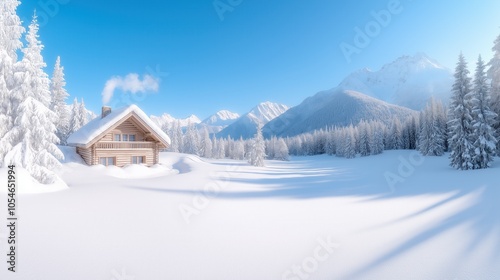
(137, 160)
(125, 137)
(131, 137)
(117, 137)
(107, 161)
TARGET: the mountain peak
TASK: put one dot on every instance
(166, 120)
(407, 81)
(418, 62)
(221, 118)
(246, 125)
(266, 111)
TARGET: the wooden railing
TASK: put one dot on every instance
(111, 145)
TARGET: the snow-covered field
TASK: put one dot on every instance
(391, 216)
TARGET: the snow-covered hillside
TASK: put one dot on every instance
(336, 107)
(246, 125)
(408, 81)
(218, 121)
(318, 217)
(167, 120)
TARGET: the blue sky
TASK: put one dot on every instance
(281, 51)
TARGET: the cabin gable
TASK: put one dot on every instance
(130, 139)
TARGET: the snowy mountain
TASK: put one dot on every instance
(408, 81)
(167, 120)
(218, 121)
(336, 107)
(246, 125)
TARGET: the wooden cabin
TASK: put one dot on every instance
(120, 137)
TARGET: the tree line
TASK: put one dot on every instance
(469, 129)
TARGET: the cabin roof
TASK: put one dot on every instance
(91, 132)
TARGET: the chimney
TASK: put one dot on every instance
(106, 110)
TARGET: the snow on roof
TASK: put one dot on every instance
(99, 125)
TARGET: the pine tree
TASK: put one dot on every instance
(494, 75)
(82, 114)
(460, 119)
(220, 149)
(10, 43)
(180, 137)
(281, 150)
(432, 134)
(258, 152)
(396, 135)
(364, 139)
(206, 144)
(191, 144)
(239, 150)
(377, 138)
(349, 143)
(484, 140)
(295, 146)
(33, 136)
(414, 133)
(330, 143)
(58, 104)
(172, 131)
(74, 121)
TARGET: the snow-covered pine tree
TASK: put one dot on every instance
(258, 151)
(483, 137)
(308, 144)
(82, 114)
(270, 147)
(220, 150)
(494, 76)
(432, 134)
(174, 146)
(330, 144)
(180, 137)
(58, 104)
(239, 149)
(33, 136)
(349, 142)
(396, 135)
(413, 132)
(424, 136)
(10, 42)
(191, 145)
(74, 121)
(295, 145)
(319, 138)
(460, 119)
(339, 135)
(364, 138)
(377, 137)
(206, 144)
(281, 150)
(228, 147)
(441, 123)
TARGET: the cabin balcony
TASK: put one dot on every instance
(123, 145)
